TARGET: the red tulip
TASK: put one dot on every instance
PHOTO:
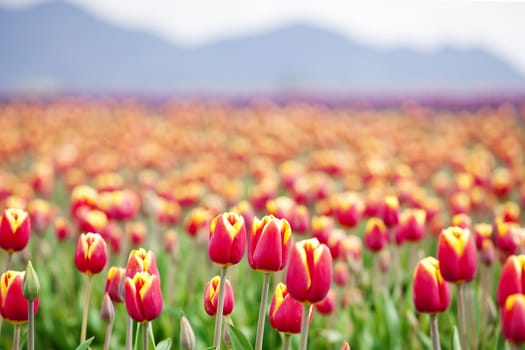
(15, 230)
(40, 213)
(390, 211)
(211, 297)
(83, 197)
(327, 305)
(341, 273)
(143, 296)
(513, 319)
(285, 312)
(113, 283)
(456, 252)
(309, 274)
(91, 253)
(482, 232)
(430, 291)
(322, 227)
(61, 228)
(13, 306)
(196, 220)
(349, 209)
(269, 244)
(227, 239)
(140, 260)
(412, 225)
(461, 220)
(376, 235)
(512, 278)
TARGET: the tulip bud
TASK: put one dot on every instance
(309, 272)
(107, 310)
(196, 220)
(285, 312)
(513, 319)
(390, 211)
(345, 346)
(412, 224)
(143, 296)
(227, 239)
(187, 336)
(61, 228)
(510, 212)
(31, 284)
(140, 260)
(506, 236)
(92, 220)
(113, 284)
(322, 227)
(430, 291)
(15, 230)
(211, 297)
(456, 252)
(91, 253)
(269, 244)
(83, 197)
(327, 305)
(487, 252)
(341, 273)
(461, 220)
(512, 278)
(376, 235)
(136, 232)
(349, 209)
(482, 232)
(13, 305)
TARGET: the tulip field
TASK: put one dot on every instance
(331, 227)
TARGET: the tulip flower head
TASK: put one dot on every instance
(412, 225)
(327, 305)
(512, 278)
(431, 292)
(13, 305)
(140, 260)
(211, 297)
(227, 239)
(91, 253)
(143, 296)
(349, 209)
(15, 230)
(456, 252)
(113, 283)
(269, 244)
(376, 234)
(285, 311)
(513, 319)
(309, 274)
(390, 211)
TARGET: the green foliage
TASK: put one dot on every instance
(85, 345)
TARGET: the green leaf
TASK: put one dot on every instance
(425, 340)
(85, 344)
(392, 322)
(239, 341)
(164, 345)
(456, 345)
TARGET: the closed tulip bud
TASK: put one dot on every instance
(512, 278)
(309, 274)
(269, 244)
(15, 230)
(285, 312)
(334, 242)
(168, 212)
(13, 305)
(482, 232)
(143, 296)
(140, 260)
(61, 228)
(31, 284)
(456, 252)
(322, 227)
(107, 310)
(91, 253)
(390, 211)
(345, 346)
(327, 305)
(513, 319)
(227, 239)
(431, 293)
(114, 282)
(349, 209)
(376, 234)
(187, 336)
(506, 236)
(211, 297)
(412, 224)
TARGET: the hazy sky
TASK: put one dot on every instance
(424, 24)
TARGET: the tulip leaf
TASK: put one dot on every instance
(239, 341)
(85, 344)
(164, 345)
(456, 345)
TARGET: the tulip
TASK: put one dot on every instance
(107, 314)
(13, 305)
(186, 335)
(196, 220)
(482, 232)
(327, 305)
(15, 230)
(136, 232)
(285, 311)
(113, 283)
(412, 224)
(512, 278)
(31, 291)
(83, 197)
(211, 296)
(91, 253)
(61, 228)
(322, 227)
(506, 235)
(269, 244)
(40, 213)
(93, 220)
(456, 253)
(227, 239)
(430, 291)
(376, 235)
(513, 320)
(341, 273)
(461, 220)
(349, 209)
(143, 296)
(390, 211)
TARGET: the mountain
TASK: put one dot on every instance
(58, 45)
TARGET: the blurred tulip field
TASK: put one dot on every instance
(392, 225)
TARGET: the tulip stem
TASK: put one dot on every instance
(31, 326)
(9, 259)
(434, 331)
(129, 334)
(305, 325)
(286, 341)
(16, 337)
(107, 337)
(262, 312)
(462, 316)
(86, 309)
(218, 317)
(145, 339)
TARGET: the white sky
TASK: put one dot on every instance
(422, 24)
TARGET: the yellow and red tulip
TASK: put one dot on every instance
(91, 253)
(512, 278)
(269, 244)
(13, 306)
(327, 305)
(456, 252)
(227, 239)
(376, 234)
(322, 227)
(431, 292)
(143, 296)
(211, 297)
(62, 230)
(113, 283)
(411, 226)
(15, 230)
(389, 211)
(513, 319)
(348, 209)
(140, 260)
(285, 312)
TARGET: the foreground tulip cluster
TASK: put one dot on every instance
(347, 227)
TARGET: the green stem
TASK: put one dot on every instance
(462, 316)
(31, 326)
(86, 309)
(16, 337)
(218, 317)
(514, 346)
(9, 260)
(286, 341)
(145, 340)
(107, 338)
(137, 333)
(151, 335)
(129, 334)
(305, 325)
(262, 312)
(434, 331)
